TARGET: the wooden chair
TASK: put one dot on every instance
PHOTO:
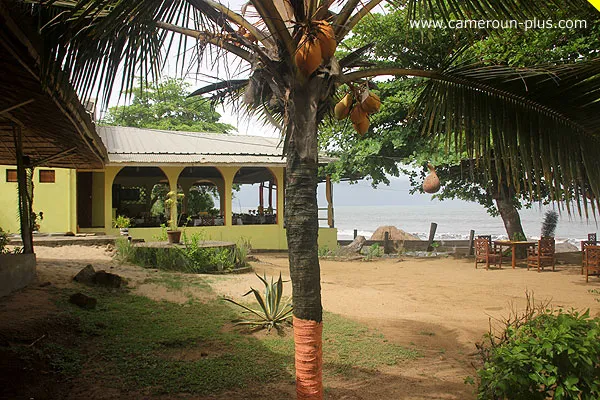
(592, 261)
(584, 246)
(484, 253)
(543, 255)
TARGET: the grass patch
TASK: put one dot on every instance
(347, 346)
(134, 337)
(135, 344)
(176, 282)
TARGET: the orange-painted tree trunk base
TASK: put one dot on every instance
(309, 359)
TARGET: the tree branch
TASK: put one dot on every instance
(208, 37)
(238, 19)
(347, 27)
(343, 17)
(272, 19)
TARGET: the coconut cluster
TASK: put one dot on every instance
(367, 103)
(317, 44)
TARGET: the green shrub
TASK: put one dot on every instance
(374, 251)
(546, 354)
(191, 258)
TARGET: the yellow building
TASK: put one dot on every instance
(144, 164)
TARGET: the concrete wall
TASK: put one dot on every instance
(16, 272)
(57, 200)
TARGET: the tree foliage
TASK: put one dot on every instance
(166, 105)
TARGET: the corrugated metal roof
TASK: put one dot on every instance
(124, 140)
(154, 146)
(195, 159)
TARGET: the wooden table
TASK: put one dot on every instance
(514, 244)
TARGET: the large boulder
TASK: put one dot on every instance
(86, 275)
(83, 301)
(394, 234)
(108, 280)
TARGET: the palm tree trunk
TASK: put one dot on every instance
(509, 213)
(301, 218)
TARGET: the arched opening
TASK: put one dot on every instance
(139, 194)
(204, 200)
(254, 197)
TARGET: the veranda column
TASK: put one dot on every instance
(172, 174)
(228, 174)
(109, 177)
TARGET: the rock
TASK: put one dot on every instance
(86, 275)
(394, 234)
(565, 247)
(44, 284)
(83, 301)
(110, 248)
(106, 279)
(356, 245)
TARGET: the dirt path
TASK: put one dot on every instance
(439, 306)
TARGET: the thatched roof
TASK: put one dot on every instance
(52, 119)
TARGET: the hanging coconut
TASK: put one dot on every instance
(308, 55)
(371, 103)
(362, 127)
(357, 115)
(432, 182)
(342, 109)
(326, 37)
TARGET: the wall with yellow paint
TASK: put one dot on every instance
(98, 199)
(57, 200)
(263, 237)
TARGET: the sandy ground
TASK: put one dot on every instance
(440, 306)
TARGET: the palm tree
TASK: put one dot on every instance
(545, 118)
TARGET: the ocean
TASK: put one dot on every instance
(454, 221)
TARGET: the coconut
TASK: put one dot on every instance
(342, 109)
(371, 103)
(362, 126)
(357, 114)
(326, 37)
(432, 182)
(308, 55)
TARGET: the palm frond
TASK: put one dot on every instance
(544, 120)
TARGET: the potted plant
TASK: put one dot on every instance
(123, 223)
(173, 233)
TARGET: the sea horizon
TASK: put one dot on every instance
(455, 221)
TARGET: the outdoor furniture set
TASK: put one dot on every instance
(540, 254)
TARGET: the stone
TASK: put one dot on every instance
(86, 275)
(394, 234)
(108, 280)
(83, 301)
(356, 245)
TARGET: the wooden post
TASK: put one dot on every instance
(432, 230)
(471, 239)
(24, 202)
(329, 196)
(355, 233)
(386, 243)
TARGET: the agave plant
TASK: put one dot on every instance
(273, 311)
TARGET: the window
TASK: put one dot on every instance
(47, 176)
(11, 175)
